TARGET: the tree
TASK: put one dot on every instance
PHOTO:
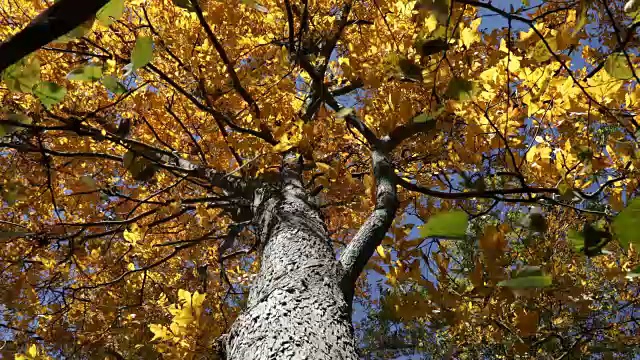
(203, 179)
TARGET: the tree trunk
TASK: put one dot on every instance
(296, 308)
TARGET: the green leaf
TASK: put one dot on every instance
(142, 52)
(141, 168)
(627, 223)
(410, 69)
(11, 192)
(21, 118)
(255, 5)
(91, 73)
(460, 89)
(429, 115)
(184, 4)
(617, 66)
(451, 224)
(529, 270)
(422, 118)
(576, 240)
(127, 159)
(112, 84)
(525, 282)
(23, 75)
(76, 33)
(49, 93)
(565, 191)
(111, 12)
(344, 112)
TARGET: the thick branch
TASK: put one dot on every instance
(403, 132)
(62, 17)
(361, 248)
(356, 84)
(486, 194)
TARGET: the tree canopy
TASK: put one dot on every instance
(511, 132)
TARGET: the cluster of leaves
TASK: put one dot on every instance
(109, 222)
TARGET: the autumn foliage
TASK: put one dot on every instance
(514, 136)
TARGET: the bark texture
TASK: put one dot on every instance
(296, 308)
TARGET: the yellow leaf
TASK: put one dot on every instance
(111, 65)
(160, 332)
(323, 167)
(380, 251)
(197, 300)
(469, 36)
(184, 296)
(184, 317)
(369, 183)
(284, 144)
(431, 23)
(133, 234)
(343, 60)
(33, 351)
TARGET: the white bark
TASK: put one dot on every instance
(296, 308)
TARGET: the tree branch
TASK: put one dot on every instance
(60, 18)
(403, 132)
(487, 194)
(370, 235)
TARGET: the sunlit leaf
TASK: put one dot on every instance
(32, 351)
(451, 224)
(160, 332)
(134, 234)
(111, 12)
(142, 52)
(460, 89)
(422, 118)
(618, 67)
(23, 75)
(113, 84)
(344, 112)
